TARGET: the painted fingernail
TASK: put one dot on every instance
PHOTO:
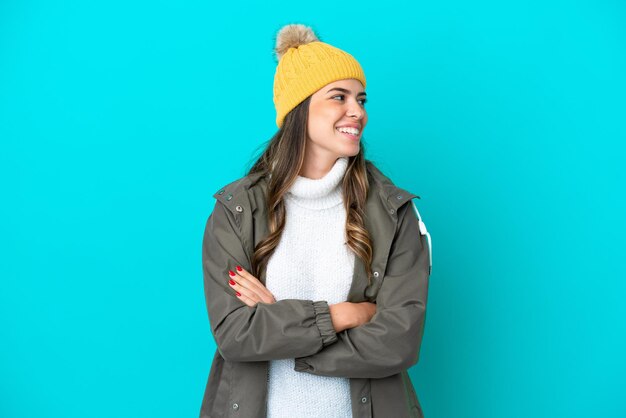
(232, 273)
(238, 294)
(239, 268)
(231, 281)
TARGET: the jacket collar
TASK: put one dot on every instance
(236, 195)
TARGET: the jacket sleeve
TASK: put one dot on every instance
(391, 341)
(287, 328)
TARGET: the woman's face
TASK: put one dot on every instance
(337, 106)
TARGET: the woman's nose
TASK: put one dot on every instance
(355, 111)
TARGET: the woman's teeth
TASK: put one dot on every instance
(351, 131)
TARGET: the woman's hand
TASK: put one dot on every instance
(364, 312)
(249, 289)
(347, 315)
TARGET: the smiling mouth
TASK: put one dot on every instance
(350, 134)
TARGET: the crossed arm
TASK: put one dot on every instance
(254, 326)
(344, 315)
(345, 339)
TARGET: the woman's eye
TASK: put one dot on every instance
(362, 101)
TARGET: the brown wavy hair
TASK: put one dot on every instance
(281, 161)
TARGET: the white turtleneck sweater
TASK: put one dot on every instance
(311, 262)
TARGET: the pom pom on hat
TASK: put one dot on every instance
(305, 65)
(292, 36)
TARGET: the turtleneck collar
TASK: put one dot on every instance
(320, 193)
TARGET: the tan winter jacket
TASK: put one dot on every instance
(375, 356)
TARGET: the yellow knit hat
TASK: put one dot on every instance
(305, 65)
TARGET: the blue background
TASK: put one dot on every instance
(119, 121)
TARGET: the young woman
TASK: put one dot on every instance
(316, 265)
